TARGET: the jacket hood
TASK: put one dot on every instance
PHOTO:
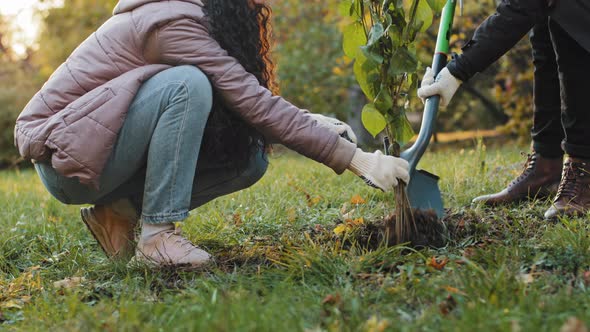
(129, 5)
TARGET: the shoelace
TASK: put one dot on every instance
(531, 160)
(570, 185)
(181, 240)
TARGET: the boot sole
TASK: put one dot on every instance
(541, 194)
(100, 234)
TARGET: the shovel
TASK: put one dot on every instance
(423, 191)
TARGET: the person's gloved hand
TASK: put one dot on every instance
(445, 86)
(378, 170)
(336, 126)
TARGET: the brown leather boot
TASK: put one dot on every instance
(112, 226)
(539, 179)
(573, 195)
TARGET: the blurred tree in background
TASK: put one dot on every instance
(313, 71)
(19, 80)
(65, 27)
(312, 68)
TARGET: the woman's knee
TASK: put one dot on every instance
(53, 182)
(195, 81)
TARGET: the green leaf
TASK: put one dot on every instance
(373, 121)
(396, 36)
(400, 126)
(436, 5)
(345, 7)
(375, 34)
(383, 101)
(372, 53)
(402, 61)
(367, 75)
(354, 37)
(424, 17)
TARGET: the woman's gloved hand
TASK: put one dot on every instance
(378, 170)
(445, 86)
(337, 126)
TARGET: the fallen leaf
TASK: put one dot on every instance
(374, 324)
(573, 324)
(12, 304)
(315, 201)
(357, 199)
(344, 208)
(69, 282)
(237, 219)
(469, 252)
(439, 265)
(291, 215)
(526, 278)
(340, 229)
(454, 290)
(348, 215)
(356, 222)
(447, 305)
(461, 224)
(332, 299)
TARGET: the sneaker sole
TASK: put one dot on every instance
(142, 261)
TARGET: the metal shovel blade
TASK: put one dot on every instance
(424, 193)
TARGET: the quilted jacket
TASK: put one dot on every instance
(73, 121)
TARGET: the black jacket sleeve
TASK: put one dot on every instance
(496, 35)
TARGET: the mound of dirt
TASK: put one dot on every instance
(429, 231)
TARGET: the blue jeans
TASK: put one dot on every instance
(155, 162)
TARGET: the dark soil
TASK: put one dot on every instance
(429, 231)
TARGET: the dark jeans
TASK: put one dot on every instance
(561, 121)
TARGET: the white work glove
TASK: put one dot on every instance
(378, 170)
(336, 126)
(445, 86)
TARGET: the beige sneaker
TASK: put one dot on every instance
(170, 249)
(112, 226)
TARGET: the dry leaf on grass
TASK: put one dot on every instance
(448, 305)
(573, 324)
(439, 265)
(526, 278)
(374, 324)
(454, 290)
(357, 199)
(332, 299)
(237, 219)
(18, 291)
(69, 282)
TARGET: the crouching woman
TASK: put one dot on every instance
(168, 105)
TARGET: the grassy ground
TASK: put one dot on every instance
(281, 268)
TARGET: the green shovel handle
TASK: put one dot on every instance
(439, 61)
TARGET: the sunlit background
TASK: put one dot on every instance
(24, 20)
(36, 36)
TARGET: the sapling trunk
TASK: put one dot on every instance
(380, 36)
(401, 227)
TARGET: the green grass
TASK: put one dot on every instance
(280, 268)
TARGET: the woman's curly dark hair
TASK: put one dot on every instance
(243, 30)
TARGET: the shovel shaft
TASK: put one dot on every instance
(439, 61)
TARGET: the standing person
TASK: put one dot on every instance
(561, 118)
(168, 105)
